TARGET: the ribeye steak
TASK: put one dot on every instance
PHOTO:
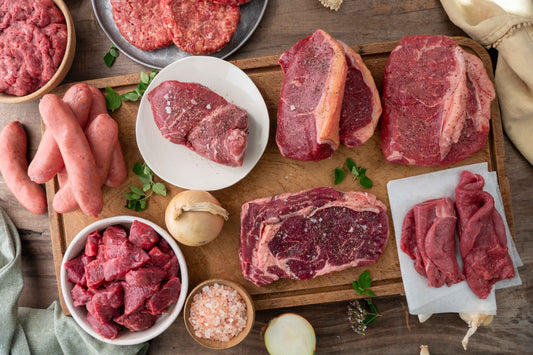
(193, 115)
(311, 233)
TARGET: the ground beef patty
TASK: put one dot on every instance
(139, 21)
(199, 26)
(33, 39)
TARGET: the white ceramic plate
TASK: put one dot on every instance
(182, 167)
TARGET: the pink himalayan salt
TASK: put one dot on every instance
(218, 312)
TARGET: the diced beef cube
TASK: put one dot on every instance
(108, 330)
(172, 267)
(87, 259)
(75, 270)
(145, 276)
(114, 237)
(168, 294)
(91, 246)
(164, 246)
(134, 296)
(80, 296)
(142, 235)
(94, 273)
(129, 257)
(100, 310)
(137, 321)
(157, 257)
(112, 295)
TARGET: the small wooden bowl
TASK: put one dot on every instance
(63, 69)
(250, 313)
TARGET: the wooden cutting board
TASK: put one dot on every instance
(273, 175)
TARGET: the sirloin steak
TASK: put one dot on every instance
(192, 115)
(310, 233)
(424, 99)
(311, 98)
(361, 106)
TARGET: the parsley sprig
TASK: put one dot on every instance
(358, 172)
(110, 56)
(360, 317)
(138, 197)
(114, 100)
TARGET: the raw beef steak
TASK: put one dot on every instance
(361, 106)
(482, 238)
(428, 237)
(311, 233)
(139, 22)
(477, 124)
(311, 98)
(424, 99)
(192, 115)
(199, 26)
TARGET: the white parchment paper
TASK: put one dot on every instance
(421, 298)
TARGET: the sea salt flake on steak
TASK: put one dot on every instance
(424, 99)
(199, 26)
(311, 233)
(193, 115)
(140, 23)
(311, 98)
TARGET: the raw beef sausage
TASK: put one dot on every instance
(77, 155)
(13, 167)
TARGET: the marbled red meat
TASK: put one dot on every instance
(193, 115)
(199, 26)
(140, 23)
(361, 106)
(428, 237)
(311, 98)
(311, 233)
(482, 237)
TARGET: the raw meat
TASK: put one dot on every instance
(424, 99)
(361, 106)
(428, 237)
(476, 128)
(140, 23)
(231, 2)
(142, 235)
(482, 238)
(199, 26)
(192, 115)
(311, 233)
(311, 98)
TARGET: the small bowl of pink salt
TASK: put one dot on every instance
(219, 313)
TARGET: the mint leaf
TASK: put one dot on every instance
(145, 78)
(112, 99)
(130, 96)
(159, 189)
(365, 182)
(370, 293)
(136, 190)
(365, 280)
(339, 176)
(110, 56)
(350, 164)
(137, 199)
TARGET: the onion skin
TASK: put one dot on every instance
(194, 227)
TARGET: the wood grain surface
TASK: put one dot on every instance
(357, 22)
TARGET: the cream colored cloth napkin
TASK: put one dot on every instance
(506, 25)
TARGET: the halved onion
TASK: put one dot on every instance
(290, 334)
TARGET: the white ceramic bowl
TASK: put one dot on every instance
(125, 337)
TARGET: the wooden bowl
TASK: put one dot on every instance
(63, 69)
(250, 313)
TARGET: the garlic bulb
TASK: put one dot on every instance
(424, 350)
(474, 320)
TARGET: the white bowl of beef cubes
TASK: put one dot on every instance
(124, 280)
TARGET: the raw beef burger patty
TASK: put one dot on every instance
(139, 21)
(311, 98)
(192, 115)
(199, 26)
(311, 233)
(428, 237)
(361, 106)
(33, 39)
(482, 237)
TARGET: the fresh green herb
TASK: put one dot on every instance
(360, 317)
(109, 57)
(339, 176)
(358, 173)
(138, 197)
(114, 100)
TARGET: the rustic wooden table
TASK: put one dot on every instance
(397, 332)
